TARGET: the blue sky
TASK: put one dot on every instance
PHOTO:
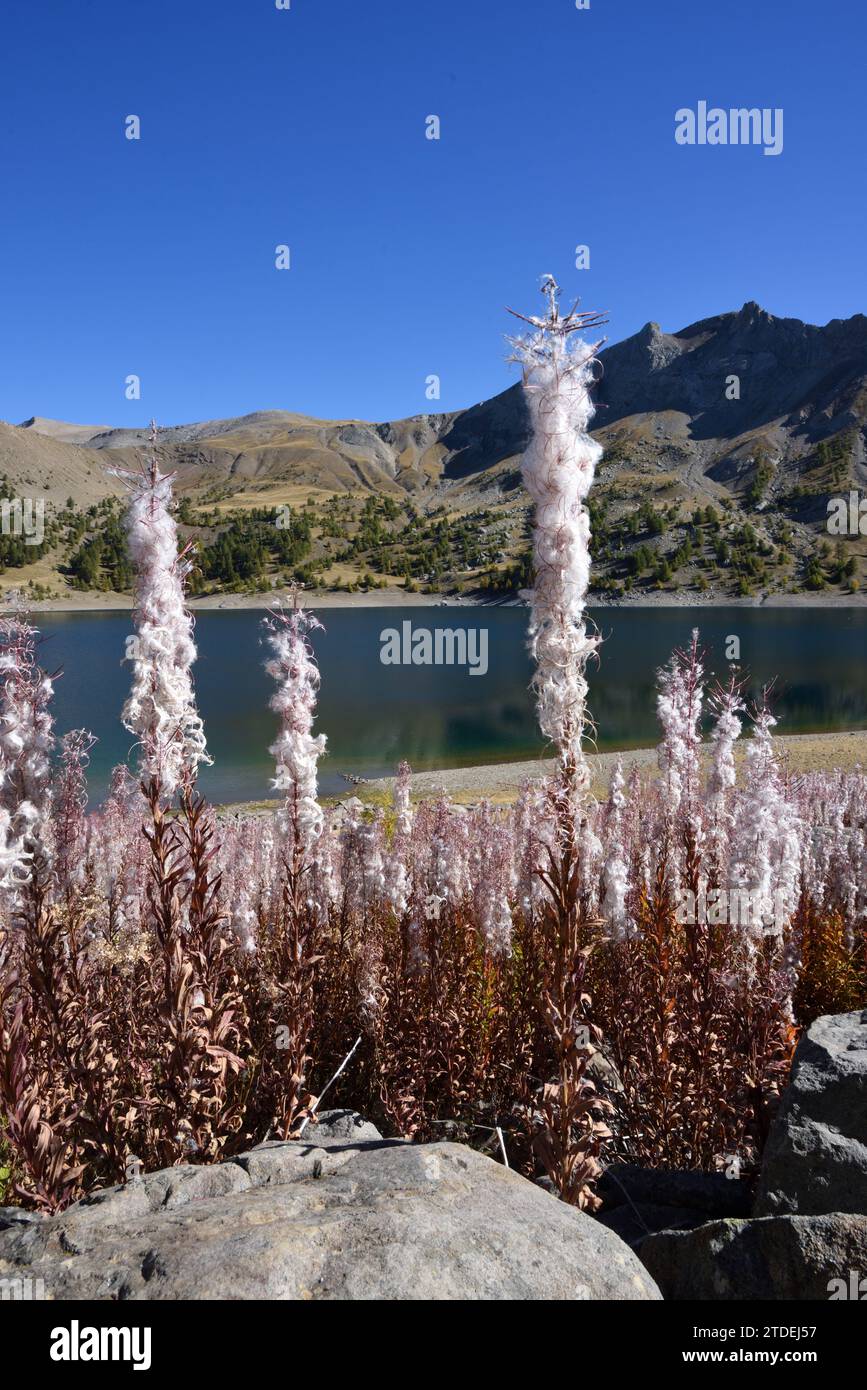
(307, 127)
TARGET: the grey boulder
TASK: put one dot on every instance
(808, 1235)
(338, 1217)
(637, 1202)
(634, 1223)
(815, 1160)
(774, 1257)
(334, 1127)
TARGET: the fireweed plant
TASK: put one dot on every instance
(622, 978)
(566, 1116)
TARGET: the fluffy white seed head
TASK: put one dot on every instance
(161, 708)
(26, 746)
(558, 469)
(297, 749)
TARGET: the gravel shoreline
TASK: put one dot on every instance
(843, 751)
(399, 598)
(502, 782)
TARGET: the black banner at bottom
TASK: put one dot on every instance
(80, 1339)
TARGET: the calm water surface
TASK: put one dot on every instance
(374, 715)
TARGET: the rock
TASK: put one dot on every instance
(638, 1202)
(808, 1239)
(331, 1219)
(14, 1216)
(634, 1223)
(323, 1148)
(773, 1257)
(815, 1159)
(710, 1194)
(340, 1127)
(167, 1190)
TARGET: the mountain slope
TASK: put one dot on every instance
(755, 417)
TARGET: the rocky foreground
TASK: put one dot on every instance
(807, 1235)
(346, 1214)
(343, 1215)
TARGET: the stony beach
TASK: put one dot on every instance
(501, 782)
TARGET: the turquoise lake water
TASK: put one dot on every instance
(441, 716)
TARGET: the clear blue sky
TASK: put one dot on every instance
(306, 127)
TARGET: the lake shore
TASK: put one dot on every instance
(399, 598)
(501, 783)
(123, 603)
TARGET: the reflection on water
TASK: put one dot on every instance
(441, 716)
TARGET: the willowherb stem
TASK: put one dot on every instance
(161, 708)
(26, 747)
(296, 750)
(558, 469)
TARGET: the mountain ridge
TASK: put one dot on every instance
(763, 417)
(651, 337)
